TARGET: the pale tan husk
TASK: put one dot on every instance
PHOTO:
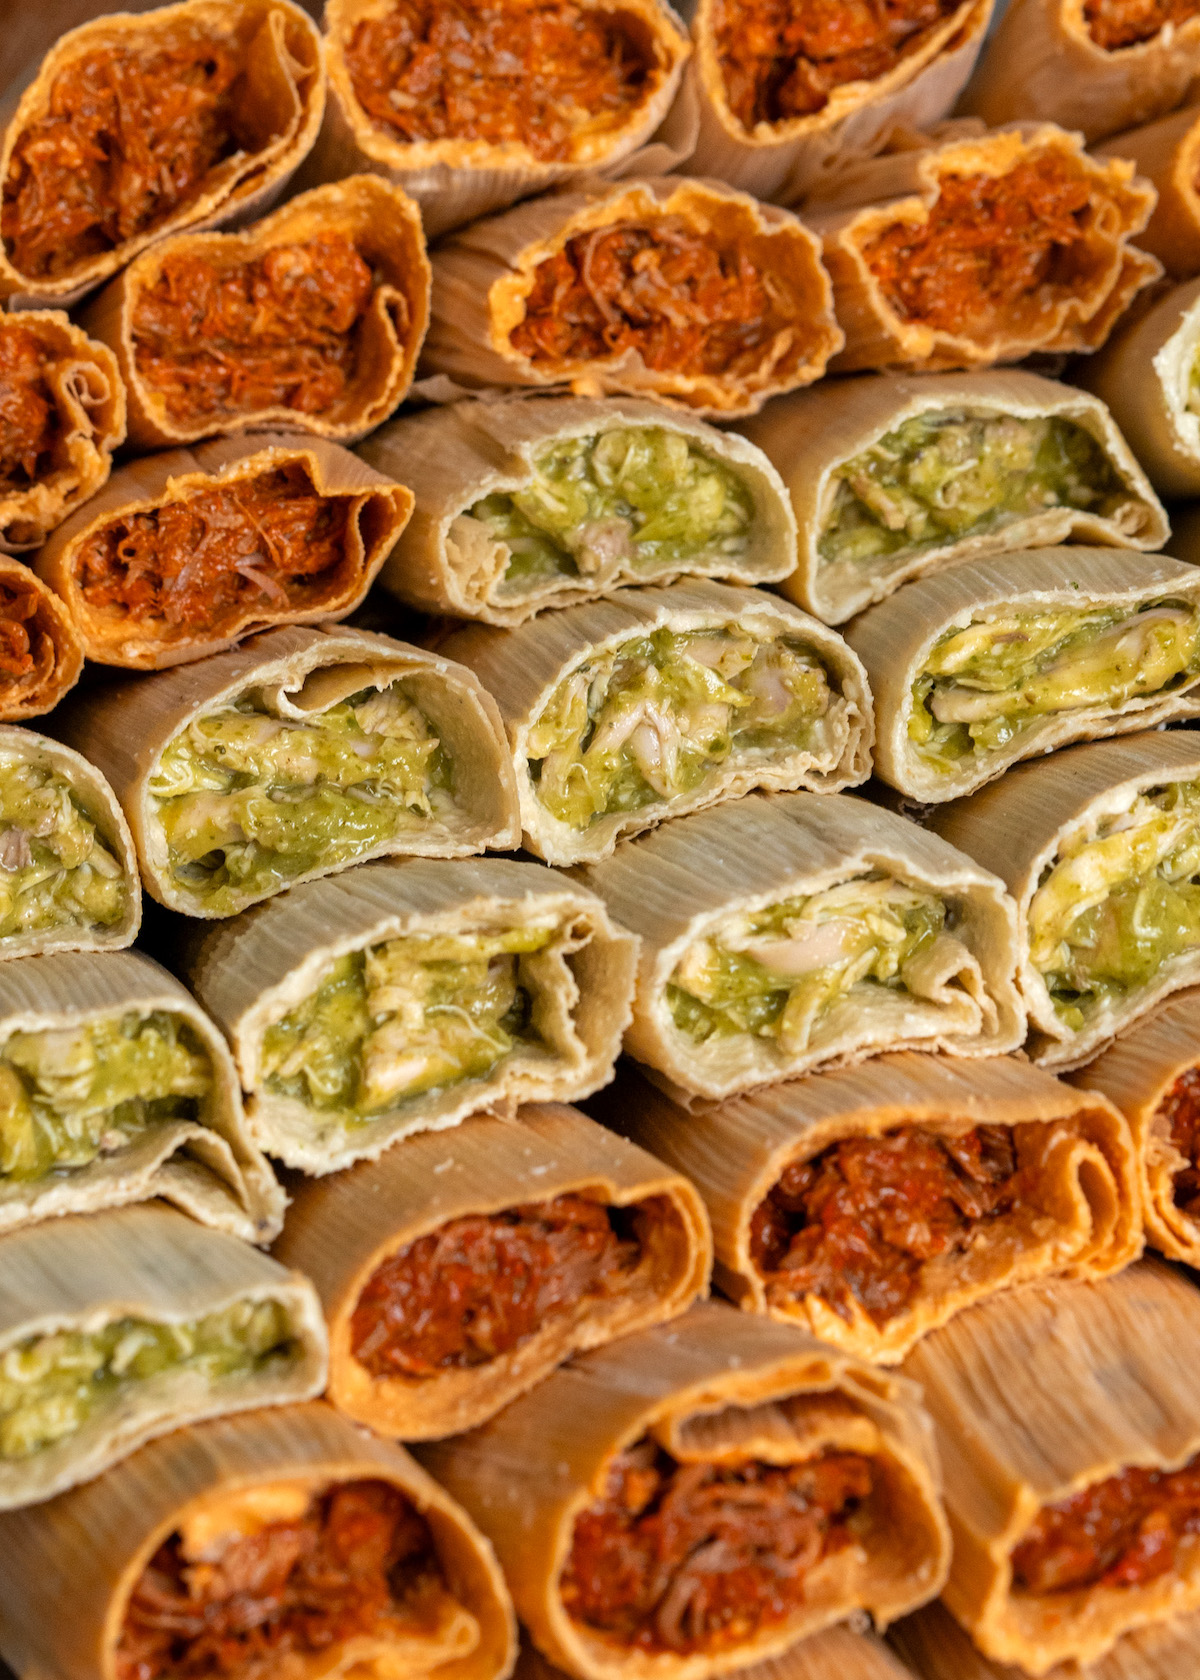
(523, 667)
(812, 434)
(382, 223)
(894, 639)
(714, 1384)
(340, 1230)
(53, 644)
(283, 100)
(455, 455)
(483, 276)
(254, 969)
(836, 1654)
(89, 1547)
(124, 729)
(148, 1263)
(937, 1648)
(1167, 153)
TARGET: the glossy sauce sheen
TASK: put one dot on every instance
(18, 608)
(1181, 1109)
(1114, 24)
(28, 416)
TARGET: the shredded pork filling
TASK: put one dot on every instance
(29, 423)
(480, 1286)
(215, 340)
(544, 74)
(24, 647)
(1114, 24)
(56, 869)
(1180, 1108)
(683, 1557)
(129, 137)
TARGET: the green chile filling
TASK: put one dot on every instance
(55, 869)
(76, 1093)
(651, 719)
(638, 494)
(941, 477)
(51, 1385)
(248, 801)
(982, 685)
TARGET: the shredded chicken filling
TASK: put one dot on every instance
(1114, 24)
(1180, 1109)
(56, 868)
(29, 421)
(215, 340)
(548, 75)
(682, 1557)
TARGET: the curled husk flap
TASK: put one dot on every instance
(374, 510)
(1167, 153)
(125, 729)
(452, 457)
(934, 1646)
(384, 227)
(782, 160)
(252, 971)
(1107, 1381)
(1077, 1217)
(210, 1166)
(523, 667)
(145, 1263)
(836, 1654)
(82, 385)
(43, 648)
(863, 202)
(715, 1385)
(278, 103)
(341, 1229)
(1019, 826)
(90, 1547)
(456, 180)
(483, 278)
(894, 640)
(811, 435)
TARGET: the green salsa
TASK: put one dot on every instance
(56, 871)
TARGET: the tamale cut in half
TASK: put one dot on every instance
(935, 1647)
(870, 1204)
(407, 994)
(186, 552)
(1100, 849)
(1010, 658)
(698, 1498)
(686, 291)
(1167, 153)
(652, 703)
(295, 755)
(546, 502)
(456, 1273)
(134, 127)
(893, 477)
(286, 1540)
(1068, 1425)
(124, 1325)
(784, 931)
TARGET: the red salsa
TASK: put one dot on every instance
(1114, 24)
(1181, 1108)
(29, 425)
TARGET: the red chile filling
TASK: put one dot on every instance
(1113, 24)
(28, 413)
(1181, 1107)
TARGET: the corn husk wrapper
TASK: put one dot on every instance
(811, 434)
(783, 160)
(377, 511)
(859, 203)
(680, 884)
(894, 639)
(1107, 1381)
(124, 729)
(935, 1647)
(1167, 153)
(836, 1654)
(482, 278)
(341, 1229)
(1017, 827)
(147, 1263)
(456, 181)
(89, 397)
(54, 646)
(714, 1384)
(384, 225)
(252, 970)
(280, 105)
(88, 1548)
(455, 455)
(523, 667)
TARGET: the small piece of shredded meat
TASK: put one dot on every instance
(1122, 1532)
(279, 331)
(1113, 24)
(28, 413)
(18, 633)
(988, 242)
(780, 60)
(480, 1286)
(859, 1220)
(1181, 1110)
(536, 72)
(128, 138)
(269, 542)
(673, 295)
(359, 1563)
(698, 1557)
